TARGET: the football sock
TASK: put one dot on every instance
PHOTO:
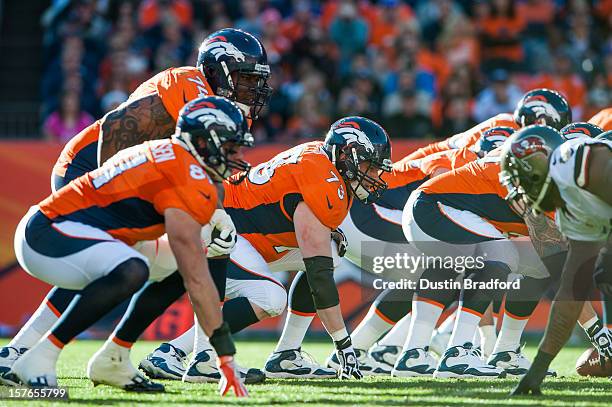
(60, 298)
(47, 351)
(398, 334)
(185, 341)
(294, 331)
(100, 297)
(449, 322)
(476, 340)
(39, 323)
(510, 334)
(466, 325)
(370, 329)
(238, 313)
(200, 342)
(425, 315)
(301, 313)
(488, 339)
(147, 305)
(607, 310)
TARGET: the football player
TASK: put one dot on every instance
(544, 173)
(80, 238)
(370, 222)
(230, 63)
(538, 106)
(284, 212)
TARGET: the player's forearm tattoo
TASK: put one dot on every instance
(134, 123)
(545, 236)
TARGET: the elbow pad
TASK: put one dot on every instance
(320, 274)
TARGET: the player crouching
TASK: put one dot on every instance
(81, 236)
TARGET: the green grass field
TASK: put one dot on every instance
(568, 390)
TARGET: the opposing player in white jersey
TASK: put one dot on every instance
(543, 173)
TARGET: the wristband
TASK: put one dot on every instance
(221, 340)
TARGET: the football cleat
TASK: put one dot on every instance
(295, 364)
(417, 362)
(466, 362)
(439, 342)
(368, 366)
(386, 354)
(165, 362)
(8, 356)
(34, 371)
(112, 366)
(203, 369)
(514, 363)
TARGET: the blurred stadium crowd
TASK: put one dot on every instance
(423, 68)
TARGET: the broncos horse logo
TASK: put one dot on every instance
(354, 134)
(219, 47)
(209, 116)
(542, 108)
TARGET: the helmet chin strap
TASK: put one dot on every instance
(360, 191)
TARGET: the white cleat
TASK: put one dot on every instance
(386, 354)
(34, 371)
(112, 366)
(466, 362)
(514, 363)
(8, 357)
(203, 369)
(439, 342)
(367, 364)
(417, 362)
(165, 362)
(295, 364)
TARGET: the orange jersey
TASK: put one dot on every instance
(128, 195)
(262, 205)
(475, 187)
(175, 87)
(407, 175)
(603, 119)
(467, 138)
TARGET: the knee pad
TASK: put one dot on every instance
(300, 298)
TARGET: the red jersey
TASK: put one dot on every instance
(128, 195)
(175, 87)
(467, 138)
(475, 187)
(262, 205)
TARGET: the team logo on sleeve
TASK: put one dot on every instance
(542, 108)
(207, 114)
(219, 47)
(351, 132)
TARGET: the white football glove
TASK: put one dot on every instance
(220, 236)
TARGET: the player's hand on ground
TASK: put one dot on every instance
(349, 365)
(528, 386)
(223, 235)
(230, 377)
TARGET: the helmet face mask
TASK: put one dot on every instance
(361, 151)
(211, 128)
(236, 66)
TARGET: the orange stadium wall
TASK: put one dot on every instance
(26, 168)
